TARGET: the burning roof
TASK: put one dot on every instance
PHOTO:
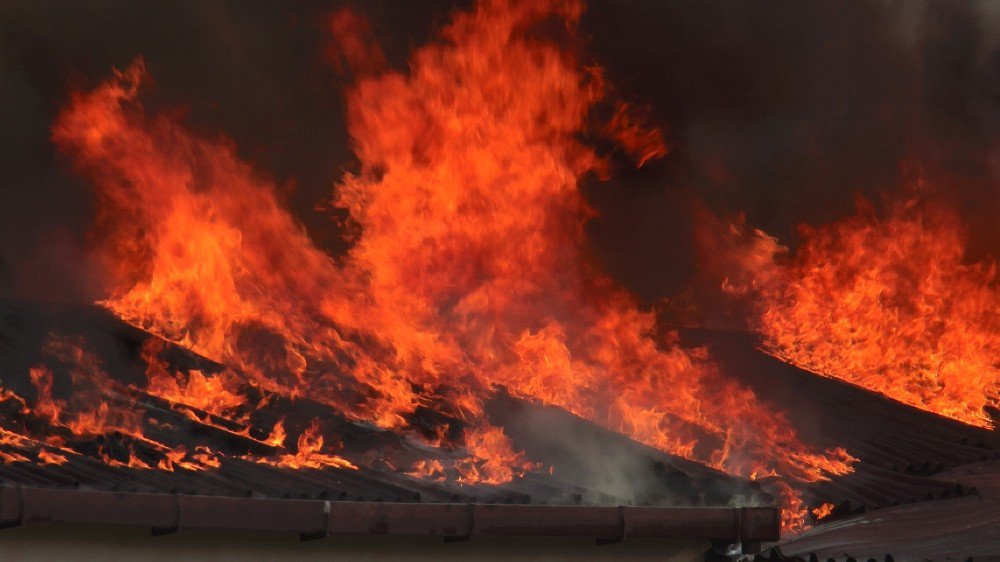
(467, 273)
(466, 345)
(172, 445)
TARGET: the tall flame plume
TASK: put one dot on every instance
(468, 271)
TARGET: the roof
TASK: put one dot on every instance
(925, 487)
(902, 450)
(906, 456)
(623, 473)
(317, 518)
(958, 528)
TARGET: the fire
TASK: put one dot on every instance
(171, 458)
(468, 271)
(95, 410)
(136, 462)
(204, 456)
(9, 439)
(308, 454)
(643, 142)
(11, 456)
(87, 413)
(45, 406)
(471, 232)
(890, 304)
(49, 457)
(203, 255)
(824, 510)
(277, 436)
(217, 394)
(433, 469)
(492, 458)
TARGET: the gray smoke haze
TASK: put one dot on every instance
(783, 110)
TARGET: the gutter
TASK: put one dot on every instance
(165, 513)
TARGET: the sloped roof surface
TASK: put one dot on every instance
(901, 450)
(906, 456)
(590, 465)
(956, 529)
(925, 487)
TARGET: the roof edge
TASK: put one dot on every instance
(319, 518)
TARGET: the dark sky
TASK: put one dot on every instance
(783, 110)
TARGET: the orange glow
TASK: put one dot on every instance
(171, 458)
(890, 304)
(136, 462)
(217, 394)
(87, 413)
(492, 457)
(469, 268)
(353, 46)
(823, 511)
(432, 469)
(277, 436)
(9, 439)
(204, 456)
(49, 457)
(308, 454)
(11, 456)
(643, 142)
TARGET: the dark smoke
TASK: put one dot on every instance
(783, 110)
(787, 110)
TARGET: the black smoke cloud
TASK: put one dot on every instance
(782, 110)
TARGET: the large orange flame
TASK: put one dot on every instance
(472, 236)
(469, 268)
(892, 305)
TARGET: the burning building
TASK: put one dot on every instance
(401, 300)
